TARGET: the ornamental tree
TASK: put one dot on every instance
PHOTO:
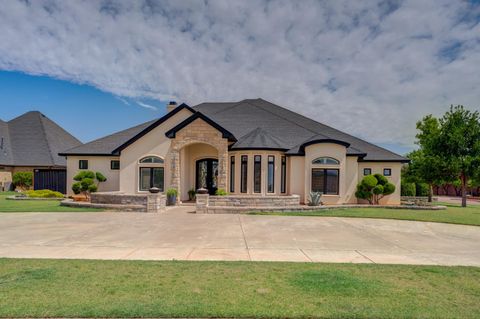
(87, 182)
(373, 188)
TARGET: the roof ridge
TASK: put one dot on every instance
(41, 116)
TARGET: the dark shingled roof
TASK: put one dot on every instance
(32, 139)
(256, 124)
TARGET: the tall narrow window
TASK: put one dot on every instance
(232, 174)
(283, 177)
(244, 173)
(271, 174)
(257, 174)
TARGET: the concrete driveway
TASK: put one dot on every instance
(180, 235)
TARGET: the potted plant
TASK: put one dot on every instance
(171, 196)
(191, 194)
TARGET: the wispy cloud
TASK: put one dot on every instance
(371, 68)
(124, 101)
(147, 106)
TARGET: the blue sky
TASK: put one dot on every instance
(369, 68)
(83, 110)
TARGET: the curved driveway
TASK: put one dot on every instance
(180, 235)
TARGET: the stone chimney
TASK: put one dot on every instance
(171, 106)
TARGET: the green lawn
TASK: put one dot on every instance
(454, 214)
(10, 206)
(74, 288)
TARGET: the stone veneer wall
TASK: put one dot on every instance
(207, 204)
(150, 203)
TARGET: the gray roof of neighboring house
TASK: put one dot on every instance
(255, 124)
(32, 139)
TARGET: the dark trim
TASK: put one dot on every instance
(268, 173)
(387, 161)
(360, 155)
(197, 115)
(152, 126)
(88, 154)
(233, 148)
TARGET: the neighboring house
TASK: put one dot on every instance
(31, 142)
(251, 147)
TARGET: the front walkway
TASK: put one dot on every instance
(180, 235)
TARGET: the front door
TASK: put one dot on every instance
(206, 174)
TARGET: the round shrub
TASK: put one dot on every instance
(77, 188)
(369, 181)
(84, 174)
(408, 189)
(377, 190)
(382, 180)
(100, 177)
(86, 182)
(92, 188)
(221, 192)
(388, 189)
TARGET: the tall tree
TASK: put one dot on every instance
(425, 168)
(459, 144)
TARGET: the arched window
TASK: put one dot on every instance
(151, 160)
(151, 173)
(325, 160)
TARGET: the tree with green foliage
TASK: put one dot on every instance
(87, 182)
(373, 188)
(23, 180)
(458, 144)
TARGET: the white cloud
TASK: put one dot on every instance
(369, 68)
(147, 106)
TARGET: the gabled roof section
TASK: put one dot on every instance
(316, 139)
(258, 139)
(32, 139)
(113, 144)
(197, 115)
(152, 126)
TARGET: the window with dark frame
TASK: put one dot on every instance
(83, 164)
(271, 174)
(232, 174)
(367, 171)
(325, 180)
(151, 177)
(244, 174)
(114, 164)
(387, 172)
(257, 174)
(283, 177)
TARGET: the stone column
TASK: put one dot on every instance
(175, 170)
(222, 167)
(201, 206)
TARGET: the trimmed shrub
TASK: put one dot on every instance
(43, 193)
(373, 188)
(221, 192)
(408, 189)
(84, 174)
(77, 188)
(23, 180)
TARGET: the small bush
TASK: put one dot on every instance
(221, 192)
(408, 189)
(369, 181)
(172, 192)
(382, 180)
(100, 177)
(84, 174)
(43, 193)
(422, 189)
(77, 188)
(23, 180)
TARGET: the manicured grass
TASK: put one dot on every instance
(454, 214)
(74, 288)
(10, 206)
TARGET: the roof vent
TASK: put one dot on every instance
(171, 106)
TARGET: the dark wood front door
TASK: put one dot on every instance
(206, 174)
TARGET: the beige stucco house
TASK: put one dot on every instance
(251, 147)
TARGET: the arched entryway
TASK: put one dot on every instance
(206, 174)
